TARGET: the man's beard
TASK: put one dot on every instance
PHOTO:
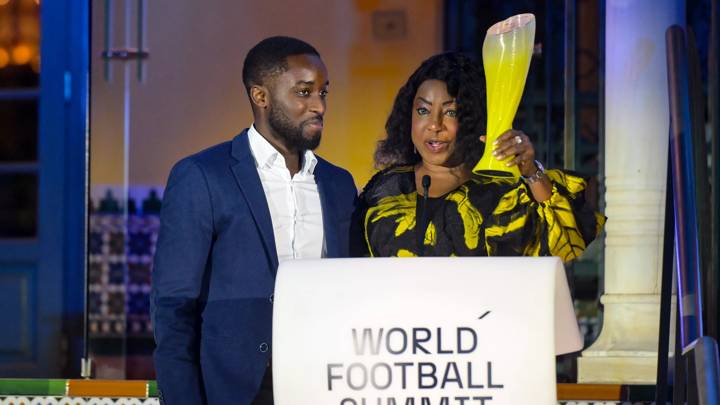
(292, 135)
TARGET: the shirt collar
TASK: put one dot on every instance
(266, 156)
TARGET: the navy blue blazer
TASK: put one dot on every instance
(214, 272)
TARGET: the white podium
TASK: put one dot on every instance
(422, 331)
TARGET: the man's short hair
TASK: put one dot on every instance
(269, 58)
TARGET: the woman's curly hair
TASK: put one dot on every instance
(466, 83)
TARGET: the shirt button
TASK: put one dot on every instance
(263, 347)
(271, 298)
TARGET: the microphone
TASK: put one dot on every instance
(426, 184)
(423, 215)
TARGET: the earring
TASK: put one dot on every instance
(414, 150)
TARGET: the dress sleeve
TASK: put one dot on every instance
(561, 226)
(358, 244)
(567, 221)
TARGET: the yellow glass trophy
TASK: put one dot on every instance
(507, 51)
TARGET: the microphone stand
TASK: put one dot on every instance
(423, 214)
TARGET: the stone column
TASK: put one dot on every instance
(636, 147)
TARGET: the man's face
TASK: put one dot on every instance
(297, 102)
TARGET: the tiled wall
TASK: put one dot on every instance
(76, 401)
(154, 401)
(120, 259)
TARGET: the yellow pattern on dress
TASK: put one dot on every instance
(471, 217)
(555, 216)
(564, 238)
(430, 235)
(405, 253)
(400, 206)
(574, 185)
(511, 202)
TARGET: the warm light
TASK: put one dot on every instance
(366, 5)
(21, 54)
(4, 2)
(4, 58)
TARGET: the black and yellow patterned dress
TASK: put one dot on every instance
(483, 217)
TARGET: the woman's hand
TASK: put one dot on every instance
(518, 145)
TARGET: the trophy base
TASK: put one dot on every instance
(488, 166)
(495, 173)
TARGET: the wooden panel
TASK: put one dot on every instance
(107, 388)
(145, 389)
(597, 392)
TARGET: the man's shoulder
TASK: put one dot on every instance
(210, 155)
(393, 174)
(331, 169)
(390, 181)
(210, 161)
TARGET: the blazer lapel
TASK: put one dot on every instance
(247, 178)
(329, 208)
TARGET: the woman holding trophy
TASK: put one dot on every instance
(439, 194)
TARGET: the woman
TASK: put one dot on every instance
(435, 130)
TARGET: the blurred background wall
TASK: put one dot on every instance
(191, 95)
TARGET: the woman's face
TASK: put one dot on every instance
(434, 123)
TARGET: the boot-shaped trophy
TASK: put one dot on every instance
(507, 51)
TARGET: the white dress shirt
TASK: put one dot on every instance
(294, 202)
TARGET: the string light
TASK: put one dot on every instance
(22, 54)
(4, 58)
(19, 40)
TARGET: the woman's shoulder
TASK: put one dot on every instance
(391, 181)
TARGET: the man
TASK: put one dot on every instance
(229, 215)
